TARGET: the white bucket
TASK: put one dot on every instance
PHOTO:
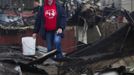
(28, 45)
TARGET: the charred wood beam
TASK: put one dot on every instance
(43, 58)
(108, 48)
(71, 61)
(108, 56)
(19, 58)
(129, 17)
(13, 54)
(108, 44)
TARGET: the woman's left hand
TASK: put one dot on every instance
(59, 31)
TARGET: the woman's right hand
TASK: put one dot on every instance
(34, 35)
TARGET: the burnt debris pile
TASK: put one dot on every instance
(13, 62)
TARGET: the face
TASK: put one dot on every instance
(50, 2)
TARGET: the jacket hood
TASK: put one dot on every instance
(46, 2)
